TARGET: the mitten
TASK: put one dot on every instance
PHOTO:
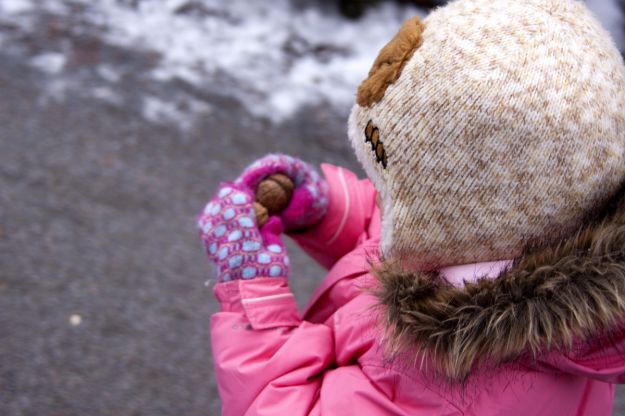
(309, 201)
(235, 245)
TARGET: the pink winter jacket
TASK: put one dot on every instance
(270, 360)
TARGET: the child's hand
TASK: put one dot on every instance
(233, 241)
(309, 202)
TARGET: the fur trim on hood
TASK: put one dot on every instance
(549, 299)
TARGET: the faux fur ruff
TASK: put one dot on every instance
(547, 300)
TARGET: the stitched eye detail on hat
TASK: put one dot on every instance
(372, 135)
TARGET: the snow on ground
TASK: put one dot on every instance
(50, 62)
(273, 57)
(182, 113)
(11, 7)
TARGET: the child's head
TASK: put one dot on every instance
(490, 126)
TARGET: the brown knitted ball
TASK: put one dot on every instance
(272, 196)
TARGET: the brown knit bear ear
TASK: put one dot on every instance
(390, 62)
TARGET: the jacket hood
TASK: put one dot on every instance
(549, 299)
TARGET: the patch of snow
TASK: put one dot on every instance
(273, 58)
(15, 6)
(181, 113)
(155, 109)
(108, 73)
(49, 62)
(108, 95)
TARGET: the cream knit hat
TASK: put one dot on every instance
(491, 126)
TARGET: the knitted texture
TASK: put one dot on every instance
(238, 249)
(505, 128)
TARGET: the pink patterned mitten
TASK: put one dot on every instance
(234, 243)
(309, 202)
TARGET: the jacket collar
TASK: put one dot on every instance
(545, 300)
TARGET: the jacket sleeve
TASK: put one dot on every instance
(270, 362)
(350, 209)
(265, 356)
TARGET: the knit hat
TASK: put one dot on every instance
(491, 126)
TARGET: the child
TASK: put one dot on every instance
(490, 280)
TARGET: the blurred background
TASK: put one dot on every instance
(117, 120)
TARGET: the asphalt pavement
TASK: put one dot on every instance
(103, 306)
